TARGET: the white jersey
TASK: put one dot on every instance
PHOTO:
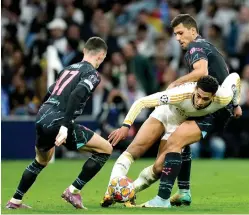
(176, 104)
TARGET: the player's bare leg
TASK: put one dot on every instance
(29, 177)
(187, 133)
(148, 134)
(101, 150)
(149, 175)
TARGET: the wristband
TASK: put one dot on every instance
(126, 125)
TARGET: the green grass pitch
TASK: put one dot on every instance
(217, 187)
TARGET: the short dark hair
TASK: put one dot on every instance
(96, 44)
(187, 21)
(208, 84)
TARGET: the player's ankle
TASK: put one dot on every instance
(128, 155)
(161, 199)
(16, 201)
(184, 191)
(73, 189)
(106, 193)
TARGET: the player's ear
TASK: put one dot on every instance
(193, 31)
(101, 54)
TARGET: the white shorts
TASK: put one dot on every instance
(169, 119)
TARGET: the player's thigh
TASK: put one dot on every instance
(44, 147)
(83, 139)
(187, 133)
(43, 157)
(97, 144)
(148, 134)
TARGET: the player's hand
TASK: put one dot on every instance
(117, 135)
(61, 136)
(237, 112)
(172, 85)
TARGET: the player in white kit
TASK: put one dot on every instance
(173, 106)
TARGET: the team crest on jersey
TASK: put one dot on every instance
(164, 99)
(233, 88)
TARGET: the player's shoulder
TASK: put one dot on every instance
(91, 76)
(82, 67)
(197, 45)
(220, 92)
(222, 96)
(87, 67)
(186, 88)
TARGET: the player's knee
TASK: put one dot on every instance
(109, 148)
(174, 144)
(42, 161)
(105, 148)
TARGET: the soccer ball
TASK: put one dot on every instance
(121, 189)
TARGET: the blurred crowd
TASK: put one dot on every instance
(143, 56)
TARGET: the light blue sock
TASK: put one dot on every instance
(158, 201)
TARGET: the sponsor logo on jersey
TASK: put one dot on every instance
(195, 50)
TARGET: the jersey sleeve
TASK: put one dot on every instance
(172, 96)
(229, 91)
(196, 52)
(90, 82)
(81, 93)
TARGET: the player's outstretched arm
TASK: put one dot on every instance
(200, 69)
(172, 96)
(145, 102)
(198, 60)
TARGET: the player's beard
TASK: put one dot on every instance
(198, 107)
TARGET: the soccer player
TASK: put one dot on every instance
(55, 125)
(202, 59)
(175, 106)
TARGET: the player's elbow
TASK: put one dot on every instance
(139, 104)
(202, 72)
(205, 72)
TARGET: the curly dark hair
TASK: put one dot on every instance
(208, 84)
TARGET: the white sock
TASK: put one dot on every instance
(121, 166)
(163, 200)
(16, 201)
(146, 178)
(73, 189)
